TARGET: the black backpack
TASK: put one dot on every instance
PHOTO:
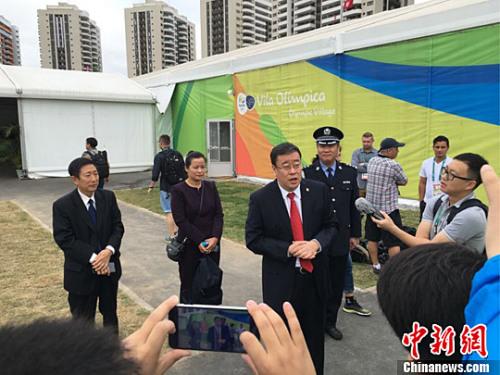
(100, 160)
(455, 210)
(172, 167)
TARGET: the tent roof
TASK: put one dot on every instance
(416, 21)
(26, 82)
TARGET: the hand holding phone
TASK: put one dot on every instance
(144, 345)
(281, 351)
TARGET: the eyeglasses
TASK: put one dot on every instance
(450, 176)
(288, 167)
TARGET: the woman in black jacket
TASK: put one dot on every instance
(197, 211)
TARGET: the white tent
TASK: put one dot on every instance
(58, 110)
(416, 21)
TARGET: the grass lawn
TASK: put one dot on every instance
(234, 196)
(31, 274)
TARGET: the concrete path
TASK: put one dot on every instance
(369, 346)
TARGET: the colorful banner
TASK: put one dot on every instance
(193, 104)
(412, 91)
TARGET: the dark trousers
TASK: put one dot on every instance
(336, 266)
(84, 306)
(187, 267)
(310, 311)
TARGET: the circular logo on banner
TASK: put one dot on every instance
(250, 102)
(241, 103)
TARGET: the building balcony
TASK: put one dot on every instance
(248, 25)
(310, 9)
(282, 7)
(168, 43)
(305, 19)
(301, 3)
(328, 3)
(282, 34)
(330, 12)
(260, 29)
(262, 18)
(352, 13)
(330, 21)
(260, 22)
(305, 27)
(283, 23)
(248, 39)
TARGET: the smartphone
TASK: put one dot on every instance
(210, 328)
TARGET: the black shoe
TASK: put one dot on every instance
(334, 333)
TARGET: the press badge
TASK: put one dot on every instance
(112, 267)
(436, 189)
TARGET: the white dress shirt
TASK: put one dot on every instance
(298, 203)
(85, 200)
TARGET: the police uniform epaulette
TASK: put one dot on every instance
(347, 165)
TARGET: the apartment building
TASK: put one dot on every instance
(157, 37)
(292, 17)
(227, 25)
(10, 51)
(69, 39)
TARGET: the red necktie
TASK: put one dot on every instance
(297, 231)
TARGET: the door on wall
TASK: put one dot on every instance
(220, 148)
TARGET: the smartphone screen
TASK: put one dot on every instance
(212, 328)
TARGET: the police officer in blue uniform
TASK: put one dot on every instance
(343, 191)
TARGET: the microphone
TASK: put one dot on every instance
(365, 207)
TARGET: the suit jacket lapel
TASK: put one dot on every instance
(281, 210)
(100, 204)
(82, 210)
(307, 214)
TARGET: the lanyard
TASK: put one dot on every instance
(440, 171)
(439, 215)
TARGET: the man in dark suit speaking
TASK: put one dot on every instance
(289, 222)
(87, 227)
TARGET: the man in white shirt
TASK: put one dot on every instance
(431, 171)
